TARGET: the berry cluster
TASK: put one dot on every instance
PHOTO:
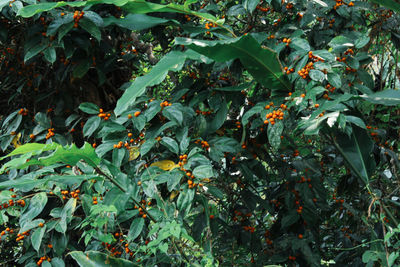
(74, 194)
(104, 115)
(141, 211)
(22, 236)
(263, 9)
(6, 231)
(287, 41)
(288, 71)
(77, 16)
(275, 114)
(304, 71)
(23, 112)
(50, 133)
(42, 259)
(165, 104)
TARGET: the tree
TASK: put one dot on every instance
(202, 133)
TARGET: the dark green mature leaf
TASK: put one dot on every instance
(30, 10)
(26, 184)
(171, 144)
(36, 205)
(98, 259)
(261, 62)
(219, 118)
(37, 237)
(91, 125)
(90, 27)
(386, 97)
(254, 110)
(391, 4)
(274, 134)
(173, 61)
(203, 171)
(135, 22)
(89, 108)
(135, 229)
(356, 150)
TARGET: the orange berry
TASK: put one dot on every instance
(129, 116)
(137, 113)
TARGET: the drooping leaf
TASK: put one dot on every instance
(261, 62)
(173, 61)
(98, 259)
(165, 165)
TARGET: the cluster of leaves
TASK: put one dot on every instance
(273, 138)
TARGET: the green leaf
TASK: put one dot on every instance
(66, 214)
(300, 44)
(391, 4)
(174, 113)
(274, 133)
(82, 68)
(261, 62)
(91, 125)
(250, 5)
(50, 54)
(173, 61)
(35, 50)
(171, 144)
(37, 237)
(357, 121)
(219, 118)
(90, 27)
(98, 259)
(184, 201)
(27, 183)
(135, 229)
(203, 171)
(356, 151)
(386, 97)
(290, 218)
(143, 7)
(317, 75)
(335, 80)
(36, 205)
(254, 110)
(89, 108)
(30, 10)
(135, 22)
(146, 146)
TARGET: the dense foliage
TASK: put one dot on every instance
(204, 133)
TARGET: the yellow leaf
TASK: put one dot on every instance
(133, 153)
(173, 195)
(16, 141)
(165, 165)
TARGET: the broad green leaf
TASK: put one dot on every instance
(89, 108)
(261, 62)
(135, 22)
(219, 118)
(30, 10)
(98, 259)
(171, 144)
(254, 110)
(91, 125)
(386, 97)
(33, 148)
(66, 214)
(37, 237)
(203, 171)
(356, 151)
(90, 27)
(173, 61)
(290, 218)
(26, 184)
(174, 113)
(391, 4)
(136, 228)
(274, 134)
(36, 205)
(50, 54)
